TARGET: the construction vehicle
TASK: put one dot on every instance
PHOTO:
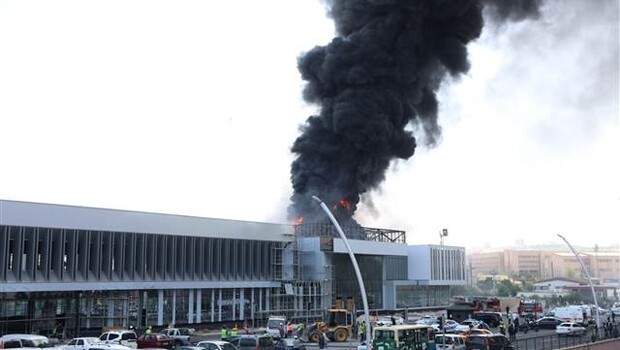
(337, 328)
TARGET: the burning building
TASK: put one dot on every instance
(83, 269)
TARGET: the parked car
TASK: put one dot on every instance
(120, 337)
(488, 342)
(23, 341)
(570, 328)
(428, 320)
(155, 341)
(493, 319)
(178, 335)
(254, 342)
(216, 345)
(449, 342)
(91, 344)
(289, 344)
(464, 326)
(450, 326)
(478, 331)
(188, 347)
(547, 322)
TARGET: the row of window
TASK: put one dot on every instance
(43, 254)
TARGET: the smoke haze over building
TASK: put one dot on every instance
(375, 82)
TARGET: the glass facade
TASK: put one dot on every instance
(56, 313)
(421, 296)
(345, 283)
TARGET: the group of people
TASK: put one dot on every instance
(291, 329)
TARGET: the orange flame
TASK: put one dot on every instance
(298, 221)
(343, 203)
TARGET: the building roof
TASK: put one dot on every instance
(16, 213)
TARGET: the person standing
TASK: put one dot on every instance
(321, 340)
(511, 331)
(362, 331)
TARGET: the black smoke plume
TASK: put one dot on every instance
(378, 76)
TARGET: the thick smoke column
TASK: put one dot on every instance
(379, 75)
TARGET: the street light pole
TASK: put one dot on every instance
(356, 267)
(587, 274)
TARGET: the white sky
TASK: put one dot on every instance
(190, 107)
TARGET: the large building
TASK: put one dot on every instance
(604, 266)
(80, 269)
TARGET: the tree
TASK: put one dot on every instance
(506, 288)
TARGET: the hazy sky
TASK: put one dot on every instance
(191, 106)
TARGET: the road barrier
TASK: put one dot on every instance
(553, 342)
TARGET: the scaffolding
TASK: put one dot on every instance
(296, 298)
(352, 232)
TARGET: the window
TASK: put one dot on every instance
(265, 341)
(12, 344)
(104, 337)
(248, 342)
(225, 347)
(73, 342)
(80, 342)
(384, 335)
(128, 336)
(112, 336)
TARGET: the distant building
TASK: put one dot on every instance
(604, 266)
(554, 286)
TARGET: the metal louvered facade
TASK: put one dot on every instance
(38, 254)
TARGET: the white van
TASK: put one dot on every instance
(273, 325)
(571, 313)
(449, 342)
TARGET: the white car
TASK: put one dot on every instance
(179, 335)
(387, 320)
(91, 343)
(23, 341)
(216, 345)
(570, 328)
(466, 326)
(449, 342)
(120, 337)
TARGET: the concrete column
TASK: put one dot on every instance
(234, 304)
(190, 306)
(110, 315)
(267, 301)
(174, 307)
(219, 306)
(198, 305)
(213, 305)
(125, 312)
(89, 307)
(260, 299)
(140, 307)
(160, 307)
(252, 305)
(242, 304)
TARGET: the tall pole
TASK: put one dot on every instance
(587, 274)
(356, 267)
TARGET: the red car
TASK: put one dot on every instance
(155, 341)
